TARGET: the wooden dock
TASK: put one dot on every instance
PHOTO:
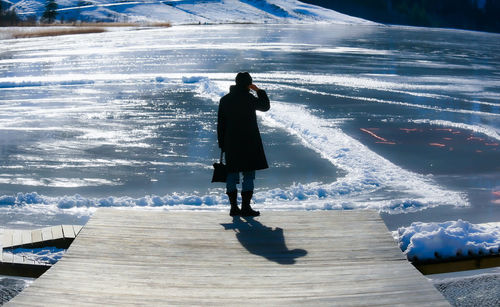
(60, 236)
(152, 258)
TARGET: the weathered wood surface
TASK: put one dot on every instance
(23, 268)
(147, 258)
(60, 236)
(18, 265)
(456, 265)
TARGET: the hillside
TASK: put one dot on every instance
(184, 11)
(479, 15)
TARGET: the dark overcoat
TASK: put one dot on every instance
(237, 130)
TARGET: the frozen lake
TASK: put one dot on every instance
(402, 120)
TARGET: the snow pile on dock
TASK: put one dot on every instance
(428, 241)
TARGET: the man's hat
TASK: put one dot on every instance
(243, 79)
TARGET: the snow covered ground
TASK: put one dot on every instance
(189, 11)
(477, 288)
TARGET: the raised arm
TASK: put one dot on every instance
(262, 102)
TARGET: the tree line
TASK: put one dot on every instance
(482, 15)
(8, 16)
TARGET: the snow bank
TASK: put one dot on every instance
(66, 202)
(429, 241)
(363, 165)
(27, 83)
(314, 196)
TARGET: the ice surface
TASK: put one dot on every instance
(366, 170)
(368, 174)
(424, 241)
(127, 119)
(489, 131)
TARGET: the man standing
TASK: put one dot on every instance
(239, 138)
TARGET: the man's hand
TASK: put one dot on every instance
(253, 87)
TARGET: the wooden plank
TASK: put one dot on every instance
(7, 238)
(36, 236)
(7, 257)
(47, 234)
(133, 257)
(18, 258)
(77, 229)
(27, 269)
(26, 235)
(57, 232)
(17, 238)
(473, 263)
(68, 231)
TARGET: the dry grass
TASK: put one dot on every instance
(120, 24)
(96, 24)
(41, 30)
(100, 24)
(160, 24)
(57, 32)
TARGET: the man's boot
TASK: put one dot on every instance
(233, 196)
(246, 210)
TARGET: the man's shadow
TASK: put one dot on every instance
(263, 241)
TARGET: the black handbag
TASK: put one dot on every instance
(220, 171)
